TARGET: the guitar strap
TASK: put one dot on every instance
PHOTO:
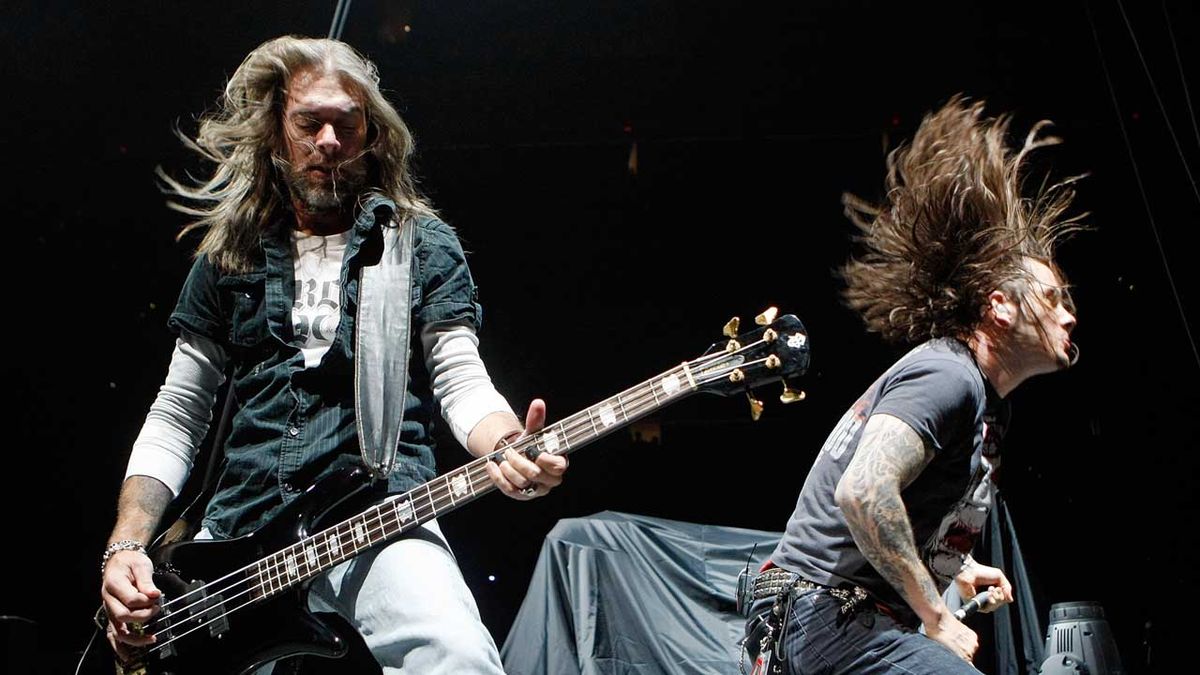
(382, 348)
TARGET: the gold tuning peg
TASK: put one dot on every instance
(756, 407)
(731, 328)
(767, 316)
(791, 395)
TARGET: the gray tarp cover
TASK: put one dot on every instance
(616, 593)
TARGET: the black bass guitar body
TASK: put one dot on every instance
(204, 633)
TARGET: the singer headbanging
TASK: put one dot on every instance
(958, 263)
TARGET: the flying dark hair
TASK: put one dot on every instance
(954, 225)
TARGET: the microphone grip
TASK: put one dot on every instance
(973, 605)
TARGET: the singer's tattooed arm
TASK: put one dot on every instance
(889, 457)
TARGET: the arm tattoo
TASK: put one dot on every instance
(142, 503)
(889, 457)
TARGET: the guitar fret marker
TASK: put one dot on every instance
(607, 416)
(335, 547)
(550, 440)
(310, 556)
(670, 384)
(360, 533)
(458, 485)
(293, 570)
(404, 511)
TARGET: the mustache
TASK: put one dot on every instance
(335, 186)
(350, 164)
(348, 167)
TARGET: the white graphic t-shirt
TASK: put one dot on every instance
(318, 297)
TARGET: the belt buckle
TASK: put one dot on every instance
(849, 597)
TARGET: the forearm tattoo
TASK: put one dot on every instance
(890, 456)
(141, 505)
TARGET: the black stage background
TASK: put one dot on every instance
(749, 121)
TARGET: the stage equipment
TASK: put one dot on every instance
(1079, 642)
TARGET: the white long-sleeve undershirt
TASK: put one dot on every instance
(180, 415)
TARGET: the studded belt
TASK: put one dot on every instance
(777, 581)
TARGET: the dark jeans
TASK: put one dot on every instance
(821, 640)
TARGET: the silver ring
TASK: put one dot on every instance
(529, 491)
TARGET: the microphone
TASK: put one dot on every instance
(973, 605)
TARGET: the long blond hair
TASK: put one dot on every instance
(244, 194)
(953, 226)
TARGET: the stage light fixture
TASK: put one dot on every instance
(1079, 642)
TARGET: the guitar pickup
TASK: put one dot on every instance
(210, 609)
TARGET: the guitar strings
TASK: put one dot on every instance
(480, 485)
(568, 426)
(472, 470)
(642, 399)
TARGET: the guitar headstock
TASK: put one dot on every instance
(778, 349)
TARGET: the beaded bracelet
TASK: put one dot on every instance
(123, 545)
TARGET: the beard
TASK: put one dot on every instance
(332, 192)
